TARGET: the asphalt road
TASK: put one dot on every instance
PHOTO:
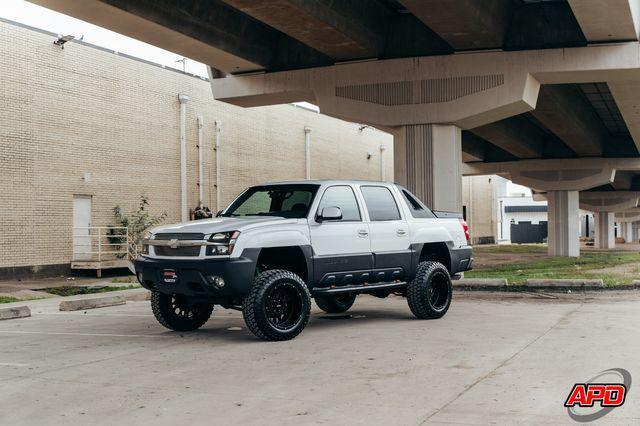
(488, 361)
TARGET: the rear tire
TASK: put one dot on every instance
(176, 312)
(278, 305)
(335, 304)
(429, 293)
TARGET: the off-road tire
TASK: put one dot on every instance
(176, 313)
(431, 278)
(335, 304)
(261, 309)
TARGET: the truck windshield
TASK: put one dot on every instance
(289, 201)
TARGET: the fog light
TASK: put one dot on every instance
(216, 280)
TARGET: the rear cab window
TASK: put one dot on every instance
(416, 208)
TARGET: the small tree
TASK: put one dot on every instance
(136, 223)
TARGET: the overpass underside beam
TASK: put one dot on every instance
(427, 162)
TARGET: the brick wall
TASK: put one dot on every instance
(83, 109)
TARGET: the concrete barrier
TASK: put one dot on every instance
(92, 303)
(137, 296)
(17, 312)
(564, 283)
(480, 282)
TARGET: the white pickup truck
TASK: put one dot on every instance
(278, 245)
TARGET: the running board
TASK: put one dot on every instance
(359, 288)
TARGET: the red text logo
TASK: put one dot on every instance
(588, 394)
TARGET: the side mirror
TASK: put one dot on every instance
(330, 213)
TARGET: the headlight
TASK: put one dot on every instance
(145, 247)
(223, 243)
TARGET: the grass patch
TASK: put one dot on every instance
(511, 248)
(124, 280)
(8, 299)
(74, 291)
(562, 268)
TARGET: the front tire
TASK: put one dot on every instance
(177, 312)
(429, 293)
(278, 305)
(335, 304)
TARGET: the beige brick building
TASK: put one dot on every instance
(480, 200)
(84, 121)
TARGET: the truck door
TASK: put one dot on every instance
(390, 239)
(342, 251)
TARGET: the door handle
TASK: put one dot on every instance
(401, 232)
(362, 233)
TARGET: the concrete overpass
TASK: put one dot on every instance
(546, 92)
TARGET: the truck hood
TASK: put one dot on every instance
(220, 224)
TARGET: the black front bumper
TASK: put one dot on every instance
(191, 276)
(461, 259)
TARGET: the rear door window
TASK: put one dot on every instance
(380, 203)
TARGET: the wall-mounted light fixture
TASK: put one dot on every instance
(62, 40)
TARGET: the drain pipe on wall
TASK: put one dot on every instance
(382, 171)
(200, 170)
(183, 157)
(217, 148)
(307, 144)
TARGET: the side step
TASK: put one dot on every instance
(358, 288)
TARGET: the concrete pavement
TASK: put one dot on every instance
(488, 361)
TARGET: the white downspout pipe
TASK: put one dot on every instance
(307, 144)
(382, 171)
(183, 157)
(200, 167)
(218, 135)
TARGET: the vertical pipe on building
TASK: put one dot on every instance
(307, 144)
(382, 171)
(200, 167)
(183, 156)
(218, 135)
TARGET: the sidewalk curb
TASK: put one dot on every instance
(547, 288)
(15, 312)
(91, 303)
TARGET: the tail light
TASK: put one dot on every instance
(465, 228)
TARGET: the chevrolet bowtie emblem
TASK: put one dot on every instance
(173, 243)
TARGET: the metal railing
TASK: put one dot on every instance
(96, 244)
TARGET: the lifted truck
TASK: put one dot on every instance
(278, 245)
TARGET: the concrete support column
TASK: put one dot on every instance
(564, 223)
(427, 161)
(605, 230)
(628, 231)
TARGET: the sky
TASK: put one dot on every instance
(40, 17)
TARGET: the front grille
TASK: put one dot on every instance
(180, 251)
(180, 236)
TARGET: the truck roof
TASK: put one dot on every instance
(328, 182)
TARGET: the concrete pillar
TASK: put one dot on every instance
(628, 232)
(427, 161)
(564, 223)
(605, 231)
